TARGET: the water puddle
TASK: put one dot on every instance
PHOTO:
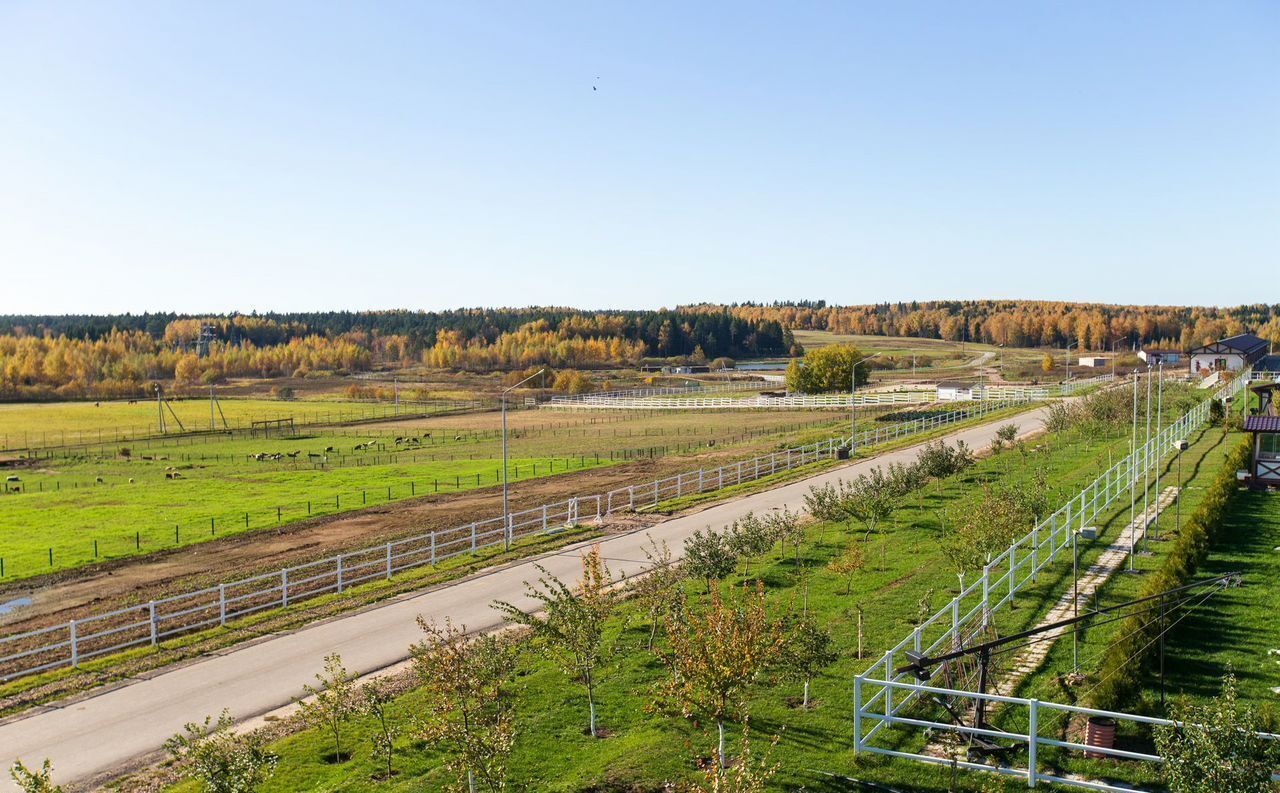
(13, 605)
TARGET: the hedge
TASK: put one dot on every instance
(1122, 667)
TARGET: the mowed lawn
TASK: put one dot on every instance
(157, 514)
(906, 571)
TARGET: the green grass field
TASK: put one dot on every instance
(906, 568)
(39, 425)
(56, 530)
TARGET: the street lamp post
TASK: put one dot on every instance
(1159, 418)
(1146, 467)
(506, 512)
(853, 405)
(1133, 470)
(1179, 446)
(1067, 357)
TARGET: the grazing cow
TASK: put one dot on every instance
(12, 478)
(173, 475)
(711, 443)
(294, 453)
(97, 405)
(131, 480)
(457, 438)
(97, 480)
(329, 450)
(399, 441)
(313, 456)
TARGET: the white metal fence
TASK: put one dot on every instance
(148, 624)
(641, 393)
(882, 694)
(761, 402)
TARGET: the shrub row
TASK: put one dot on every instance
(1122, 667)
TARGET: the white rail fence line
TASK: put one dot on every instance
(751, 403)
(71, 643)
(974, 606)
(639, 393)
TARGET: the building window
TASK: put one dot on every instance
(1269, 446)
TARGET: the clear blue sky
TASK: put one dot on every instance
(266, 155)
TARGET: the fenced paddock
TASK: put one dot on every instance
(70, 644)
(885, 698)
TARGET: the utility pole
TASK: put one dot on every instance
(506, 512)
(1159, 416)
(853, 405)
(1133, 471)
(1146, 466)
(160, 408)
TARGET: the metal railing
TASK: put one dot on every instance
(972, 609)
(71, 643)
(762, 402)
(640, 393)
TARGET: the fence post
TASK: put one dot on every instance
(339, 575)
(433, 549)
(1013, 568)
(888, 690)
(284, 587)
(388, 561)
(1031, 742)
(75, 648)
(473, 539)
(151, 618)
(222, 605)
(857, 714)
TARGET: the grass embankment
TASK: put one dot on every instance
(1207, 459)
(906, 570)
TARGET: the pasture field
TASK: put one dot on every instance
(906, 569)
(66, 518)
(42, 424)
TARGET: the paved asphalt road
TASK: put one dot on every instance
(89, 738)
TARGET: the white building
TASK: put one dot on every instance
(1156, 357)
(955, 390)
(1093, 361)
(1229, 355)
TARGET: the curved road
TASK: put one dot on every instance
(90, 738)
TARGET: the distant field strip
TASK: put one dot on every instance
(38, 426)
(150, 623)
(761, 402)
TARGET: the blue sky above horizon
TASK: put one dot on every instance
(292, 156)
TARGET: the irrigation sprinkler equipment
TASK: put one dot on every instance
(853, 405)
(506, 511)
(922, 666)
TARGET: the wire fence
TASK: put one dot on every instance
(876, 699)
(237, 426)
(71, 643)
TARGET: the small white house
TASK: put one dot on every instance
(1157, 357)
(1093, 361)
(955, 390)
(1229, 355)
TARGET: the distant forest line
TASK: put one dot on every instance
(118, 355)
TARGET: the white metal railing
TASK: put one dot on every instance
(1001, 579)
(71, 643)
(751, 403)
(640, 393)
(1072, 386)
